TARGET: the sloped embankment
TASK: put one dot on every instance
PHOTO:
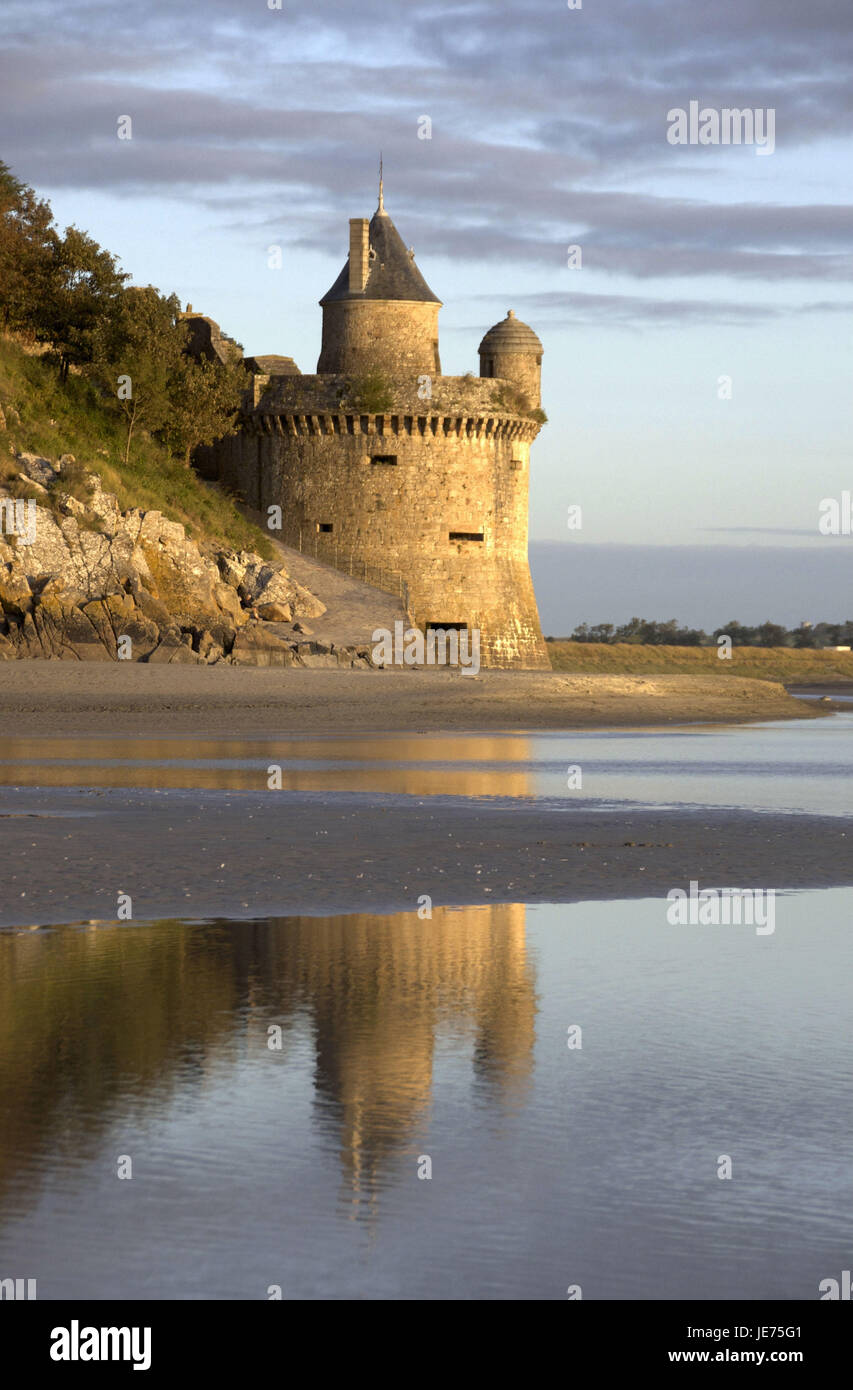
(83, 580)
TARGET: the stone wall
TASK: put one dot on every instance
(441, 498)
(462, 397)
(523, 370)
(393, 336)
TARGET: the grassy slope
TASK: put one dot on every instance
(764, 663)
(71, 419)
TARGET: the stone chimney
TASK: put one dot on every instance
(359, 248)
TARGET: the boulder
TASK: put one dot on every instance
(174, 569)
(208, 648)
(155, 611)
(105, 506)
(72, 506)
(274, 612)
(33, 485)
(229, 604)
(231, 568)
(29, 644)
(306, 604)
(65, 631)
(254, 645)
(263, 583)
(57, 586)
(16, 597)
(117, 616)
(317, 660)
(175, 653)
(258, 576)
(40, 470)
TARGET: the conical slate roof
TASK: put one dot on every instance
(510, 335)
(391, 274)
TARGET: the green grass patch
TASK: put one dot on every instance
(48, 417)
(787, 664)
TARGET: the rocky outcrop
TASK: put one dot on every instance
(82, 580)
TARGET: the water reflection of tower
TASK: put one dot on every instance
(379, 990)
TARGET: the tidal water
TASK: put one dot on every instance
(403, 1040)
(791, 765)
(384, 1106)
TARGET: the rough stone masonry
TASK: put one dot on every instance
(384, 467)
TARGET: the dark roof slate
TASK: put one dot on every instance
(392, 273)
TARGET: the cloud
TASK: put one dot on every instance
(624, 310)
(545, 121)
(567, 309)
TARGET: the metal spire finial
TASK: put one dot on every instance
(381, 198)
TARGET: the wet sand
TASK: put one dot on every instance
(50, 697)
(67, 854)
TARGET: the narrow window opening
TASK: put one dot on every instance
(325, 526)
(387, 460)
(447, 627)
(466, 535)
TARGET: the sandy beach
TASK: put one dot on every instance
(50, 697)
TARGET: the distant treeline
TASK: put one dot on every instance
(63, 290)
(642, 632)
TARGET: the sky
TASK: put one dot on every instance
(697, 364)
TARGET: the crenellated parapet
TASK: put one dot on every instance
(461, 428)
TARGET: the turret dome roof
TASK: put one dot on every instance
(510, 335)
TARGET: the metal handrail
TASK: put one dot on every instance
(390, 581)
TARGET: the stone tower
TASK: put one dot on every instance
(380, 314)
(386, 468)
(513, 352)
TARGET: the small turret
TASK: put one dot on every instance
(513, 352)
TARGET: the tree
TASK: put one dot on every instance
(772, 635)
(83, 287)
(27, 238)
(630, 632)
(136, 353)
(741, 636)
(669, 634)
(204, 399)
